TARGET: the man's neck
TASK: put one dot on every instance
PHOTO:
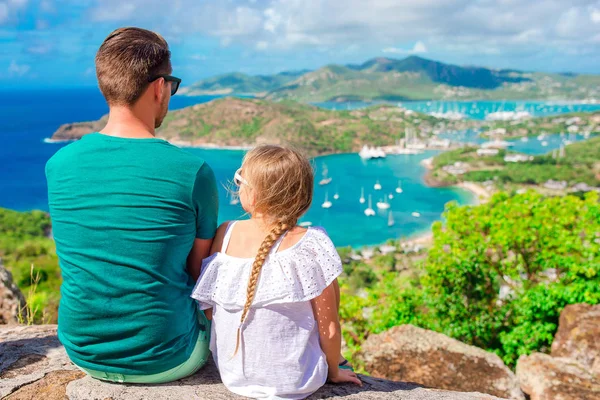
(123, 122)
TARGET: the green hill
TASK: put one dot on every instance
(245, 122)
(412, 78)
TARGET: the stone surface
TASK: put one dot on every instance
(410, 354)
(34, 365)
(12, 300)
(76, 130)
(544, 377)
(578, 336)
(27, 354)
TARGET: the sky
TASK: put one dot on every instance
(52, 43)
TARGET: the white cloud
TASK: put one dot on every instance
(3, 13)
(262, 45)
(47, 6)
(17, 3)
(198, 57)
(120, 11)
(506, 25)
(40, 49)
(9, 8)
(419, 47)
(15, 69)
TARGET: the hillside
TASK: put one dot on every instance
(245, 122)
(412, 78)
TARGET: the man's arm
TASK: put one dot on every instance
(205, 199)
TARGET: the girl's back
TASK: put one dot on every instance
(278, 350)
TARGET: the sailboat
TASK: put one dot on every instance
(390, 219)
(377, 186)
(336, 196)
(326, 180)
(326, 203)
(390, 196)
(235, 200)
(383, 204)
(362, 195)
(369, 212)
(399, 188)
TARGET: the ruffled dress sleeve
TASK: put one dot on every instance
(299, 273)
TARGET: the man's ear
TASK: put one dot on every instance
(158, 89)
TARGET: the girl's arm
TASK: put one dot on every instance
(325, 309)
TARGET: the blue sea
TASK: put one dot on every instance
(29, 117)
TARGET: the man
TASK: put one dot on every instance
(133, 217)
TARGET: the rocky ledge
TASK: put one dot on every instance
(34, 365)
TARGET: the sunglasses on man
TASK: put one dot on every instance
(175, 82)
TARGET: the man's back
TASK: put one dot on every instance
(125, 214)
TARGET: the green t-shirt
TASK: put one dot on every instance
(125, 213)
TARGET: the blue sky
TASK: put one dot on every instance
(52, 43)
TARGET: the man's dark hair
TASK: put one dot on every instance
(127, 58)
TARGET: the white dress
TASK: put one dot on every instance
(279, 355)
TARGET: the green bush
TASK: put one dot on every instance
(497, 275)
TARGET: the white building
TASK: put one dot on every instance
(487, 152)
(517, 158)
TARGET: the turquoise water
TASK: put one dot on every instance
(475, 109)
(345, 221)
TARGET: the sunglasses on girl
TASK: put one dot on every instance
(175, 82)
(238, 179)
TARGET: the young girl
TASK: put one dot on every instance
(272, 286)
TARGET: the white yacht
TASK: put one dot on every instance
(390, 196)
(383, 204)
(326, 203)
(326, 180)
(377, 186)
(416, 214)
(362, 195)
(305, 224)
(369, 212)
(390, 219)
(399, 188)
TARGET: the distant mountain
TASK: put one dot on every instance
(239, 83)
(452, 75)
(412, 78)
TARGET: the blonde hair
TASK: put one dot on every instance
(282, 182)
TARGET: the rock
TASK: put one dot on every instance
(34, 365)
(51, 387)
(76, 130)
(27, 354)
(577, 336)
(12, 301)
(410, 354)
(544, 377)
